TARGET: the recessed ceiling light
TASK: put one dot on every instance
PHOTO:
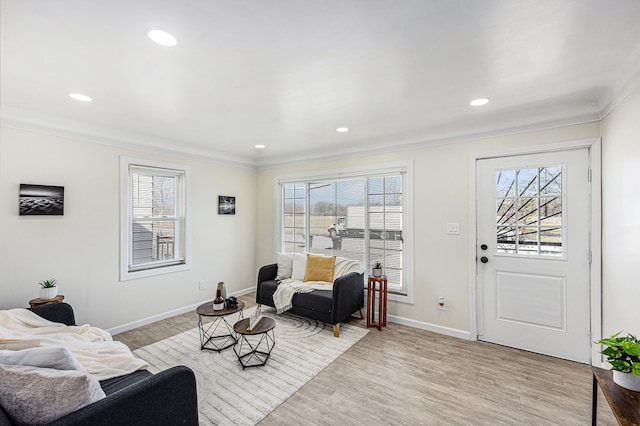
(161, 37)
(342, 129)
(260, 146)
(479, 102)
(80, 97)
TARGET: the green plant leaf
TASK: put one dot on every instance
(635, 368)
(620, 365)
(609, 341)
(631, 348)
(612, 352)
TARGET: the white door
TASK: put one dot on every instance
(533, 252)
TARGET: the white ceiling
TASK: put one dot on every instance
(287, 73)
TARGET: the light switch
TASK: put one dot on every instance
(453, 228)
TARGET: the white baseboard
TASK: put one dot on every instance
(461, 334)
(453, 332)
(169, 314)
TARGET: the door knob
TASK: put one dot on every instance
(484, 259)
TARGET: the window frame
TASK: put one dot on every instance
(126, 205)
(406, 294)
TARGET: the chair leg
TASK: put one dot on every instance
(336, 330)
(361, 314)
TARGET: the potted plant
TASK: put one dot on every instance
(49, 289)
(623, 353)
(377, 269)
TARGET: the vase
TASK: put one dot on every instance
(377, 272)
(48, 292)
(627, 380)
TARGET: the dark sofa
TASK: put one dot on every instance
(140, 398)
(329, 306)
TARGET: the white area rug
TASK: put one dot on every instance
(227, 394)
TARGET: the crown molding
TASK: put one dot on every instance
(107, 136)
(384, 146)
(387, 148)
(626, 90)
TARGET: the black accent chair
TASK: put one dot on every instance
(140, 398)
(331, 307)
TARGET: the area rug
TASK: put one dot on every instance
(229, 395)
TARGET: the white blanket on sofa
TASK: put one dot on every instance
(93, 347)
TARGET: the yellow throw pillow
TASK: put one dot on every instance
(319, 268)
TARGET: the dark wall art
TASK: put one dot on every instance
(41, 200)
(226, 204)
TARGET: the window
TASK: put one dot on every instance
(529, 211)
(360, 215)
(154, 218)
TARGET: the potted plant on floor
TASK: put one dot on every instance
(623, 353)
(49, 288)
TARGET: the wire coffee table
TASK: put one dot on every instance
(254, 347)
(219, 334)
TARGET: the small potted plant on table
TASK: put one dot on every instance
(623, 353)
(377, 269)
(49, 289)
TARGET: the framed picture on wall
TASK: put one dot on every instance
(226, 204)
(38, 200)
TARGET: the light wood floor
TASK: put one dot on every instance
(405, 376)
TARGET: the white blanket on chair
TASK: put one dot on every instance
(283, 296)
(93, 347)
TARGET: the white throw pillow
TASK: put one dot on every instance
(57, 357)
(42, 384)
(34, 395)
(285, 265)
(299, 266)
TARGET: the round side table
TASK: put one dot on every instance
(217, 335)
(254, 347)
(39, 301)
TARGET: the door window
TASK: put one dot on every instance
(529, 211)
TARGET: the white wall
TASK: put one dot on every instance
(81, 248)
(441, 195)
(621, 217)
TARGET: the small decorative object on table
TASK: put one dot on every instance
(231, 302)
(218, 302)
(223, 291)
(623, 353)
(255, 318)
(49, 289)
(377, 269)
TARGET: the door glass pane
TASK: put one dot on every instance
(551, 180)
(506, 242)
(551, 211)
(527, 211)
(527, 182)
(505, 183)
(529, 221)
(506, 212)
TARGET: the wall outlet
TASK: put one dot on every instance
(201, 284)
(442, 303)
